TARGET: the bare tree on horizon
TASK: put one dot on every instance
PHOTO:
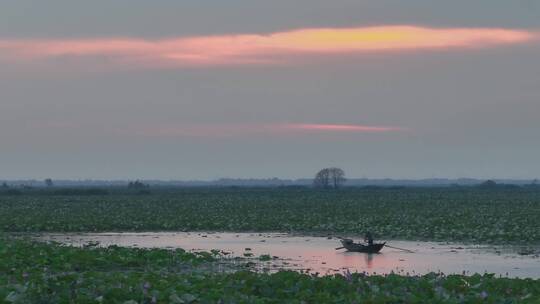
(48, 182)
(329, 178)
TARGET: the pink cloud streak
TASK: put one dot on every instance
(249, 49)
(230, 130)
(343, 128)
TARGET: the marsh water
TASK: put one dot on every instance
(318, 254)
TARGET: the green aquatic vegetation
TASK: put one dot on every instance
(32, 272)
(21, 256)
(265, 257)
(445, 214)
(44, 273)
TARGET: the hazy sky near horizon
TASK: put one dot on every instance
(240, 88)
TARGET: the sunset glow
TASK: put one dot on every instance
(248, 49)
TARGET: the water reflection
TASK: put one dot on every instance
(318, 253)
(369, 260)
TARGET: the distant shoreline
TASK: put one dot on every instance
(268, 182)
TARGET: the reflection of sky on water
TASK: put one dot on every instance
(318, 254)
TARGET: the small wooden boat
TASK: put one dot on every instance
(356, 247)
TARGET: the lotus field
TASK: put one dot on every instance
(39, 273)
(447, 214)
(34, 272)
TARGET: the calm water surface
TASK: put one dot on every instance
(318, 254)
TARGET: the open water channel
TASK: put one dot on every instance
(318, 254)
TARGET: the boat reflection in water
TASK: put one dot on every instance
(361, 262)
(369, 260)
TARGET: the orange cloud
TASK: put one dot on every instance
(263, 49)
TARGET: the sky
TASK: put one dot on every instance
(198, 90)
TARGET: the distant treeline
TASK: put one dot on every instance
(146, 189)
(59, 191)
(256, 182)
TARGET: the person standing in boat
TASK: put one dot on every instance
(368, 238)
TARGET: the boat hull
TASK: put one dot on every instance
(354, 247)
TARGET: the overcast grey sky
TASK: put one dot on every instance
(207, 89)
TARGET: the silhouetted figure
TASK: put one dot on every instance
(368, 238)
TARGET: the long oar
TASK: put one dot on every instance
(399, 248)
(340, 248)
